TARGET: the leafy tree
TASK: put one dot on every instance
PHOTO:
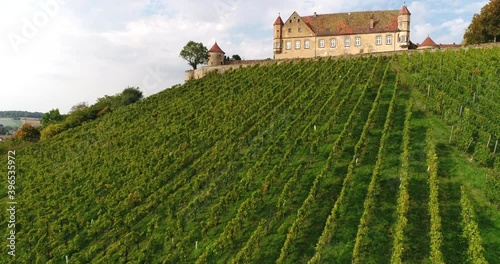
(51, 130)
(79, 106)
(53, 116)
(195, 53)
(130, 95)
(27, 133)
(485, 26)
(236, 57)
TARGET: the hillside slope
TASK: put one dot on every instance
(334, 160)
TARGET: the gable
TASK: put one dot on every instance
(295, 26)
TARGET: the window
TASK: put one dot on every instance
(298, 20)
(332, 43)
(347, 42)
(289, 30)
(379, 40)
(358, 41)
(306, 44)
(388, 39)
(403, 39)
(288, 45)
(299, 30)
(321, 43)
(297, 44)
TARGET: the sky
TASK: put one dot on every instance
(57, 53)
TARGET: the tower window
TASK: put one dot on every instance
(289, 30)
(299, 30)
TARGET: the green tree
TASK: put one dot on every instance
(236, 57)
(78, 107)
(53, 116)
(27, 133)
(130, 95)
(485, 26)
(195, 53)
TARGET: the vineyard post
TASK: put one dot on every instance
(461, 108)
(489, 139)
(451, 133)
(495, 149)
(196, 245)
(472, 139)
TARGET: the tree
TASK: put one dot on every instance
(485, 26)
(195, 53)
(236, 57)
(78, 107)
(131, 95)
(53, 116)
(27, 133)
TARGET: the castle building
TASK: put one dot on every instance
(341, 33)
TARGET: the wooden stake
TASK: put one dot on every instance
(488, 145)
(451, 133)
(472, 139)
(495, 149)
(461, 107)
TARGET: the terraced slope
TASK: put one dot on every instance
(364, 160)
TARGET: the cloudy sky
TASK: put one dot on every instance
(57, 53)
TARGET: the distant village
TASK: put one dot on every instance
(330, 35)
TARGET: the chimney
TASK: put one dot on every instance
(372, 22)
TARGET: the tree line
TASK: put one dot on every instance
(53, 122)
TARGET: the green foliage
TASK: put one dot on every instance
(19, 114)
(485, 26)
(435, 232)
(51, 117)
(27, 133)
(471, 230)
(290, 163)
(403, 198)
(195, 53)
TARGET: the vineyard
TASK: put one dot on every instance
(347, 160)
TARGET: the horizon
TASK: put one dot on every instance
(59, 53)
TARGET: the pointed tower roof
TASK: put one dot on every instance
(428, 42)
(216, 48)
(404, 11)
(278, 21)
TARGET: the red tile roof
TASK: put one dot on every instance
(353, 22)
(216, 48)
(404, 11)
(428, 42)
(278, 21)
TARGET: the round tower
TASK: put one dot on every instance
(215, 56)
(277, 41)
(404, 26)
